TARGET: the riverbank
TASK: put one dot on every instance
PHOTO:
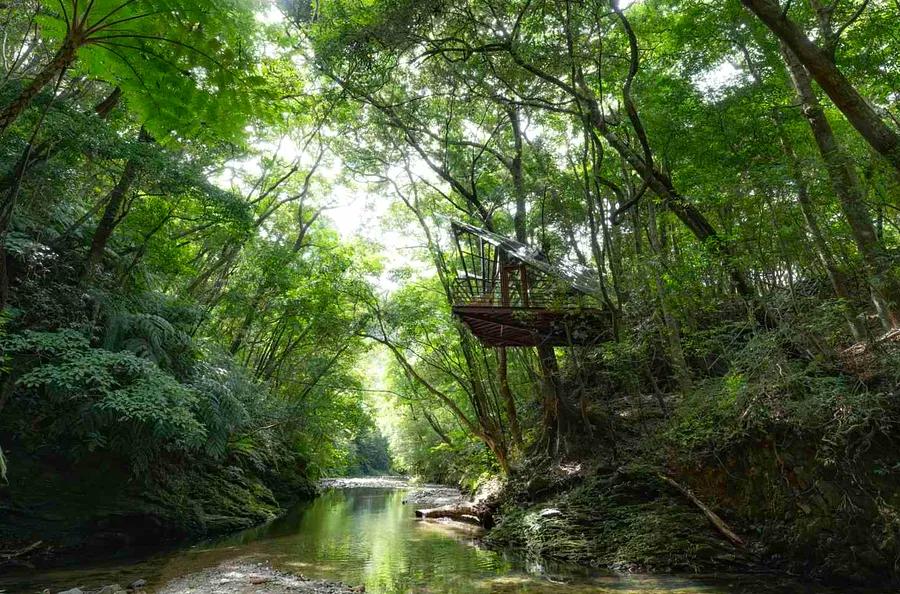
(804, 484)
(368, 536)
(241, 577)
(625, 519)
(365, 482)
(233, 577)
(57, 515)
(418, 494)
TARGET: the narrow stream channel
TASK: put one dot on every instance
(368, 536)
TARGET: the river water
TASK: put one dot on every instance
(368, 536)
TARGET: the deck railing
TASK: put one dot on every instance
(488, 293)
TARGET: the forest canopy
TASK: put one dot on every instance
(226, 233)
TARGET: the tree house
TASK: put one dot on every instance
(510, 295)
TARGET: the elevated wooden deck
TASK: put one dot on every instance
(498, 326)
(510, 295)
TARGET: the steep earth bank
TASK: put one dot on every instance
(807, 502)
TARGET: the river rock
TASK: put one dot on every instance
(380, 482)
(73, 591)
(113, 589)
(137, 584)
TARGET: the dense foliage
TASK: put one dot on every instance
(173, 300)
(729, 172)
(685, 154)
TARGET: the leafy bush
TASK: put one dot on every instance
(102, 399)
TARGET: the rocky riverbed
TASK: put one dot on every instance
(372, 482)
(136, 587)
(252, 578)
(434, 496)
(233, 577)
(419, 495)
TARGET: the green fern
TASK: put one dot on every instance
(152, 327)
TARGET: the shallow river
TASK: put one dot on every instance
(368, 536)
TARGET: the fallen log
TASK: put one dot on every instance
(12, 557)
(712, 516)
(464, 512)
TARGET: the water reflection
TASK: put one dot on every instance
(367, 536)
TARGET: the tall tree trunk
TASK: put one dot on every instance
(593, 193)
(551, 398)
(112, 215)
(435, 426)
(671, 328)
(259, 296)
(487, 432)
(836, 276)
(820, 65)
(487, 428)
(660, 184)
(60, 62)
(509, 398)
(846, 184)
(518, 178)
(227, 256)
(106, 107)
(557, 418)
(255, 304)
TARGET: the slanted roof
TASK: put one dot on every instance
(576, 276)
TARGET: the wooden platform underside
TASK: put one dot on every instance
(527, 327)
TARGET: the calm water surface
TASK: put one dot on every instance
(367, 536)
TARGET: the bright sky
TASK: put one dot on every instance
(716, 82)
